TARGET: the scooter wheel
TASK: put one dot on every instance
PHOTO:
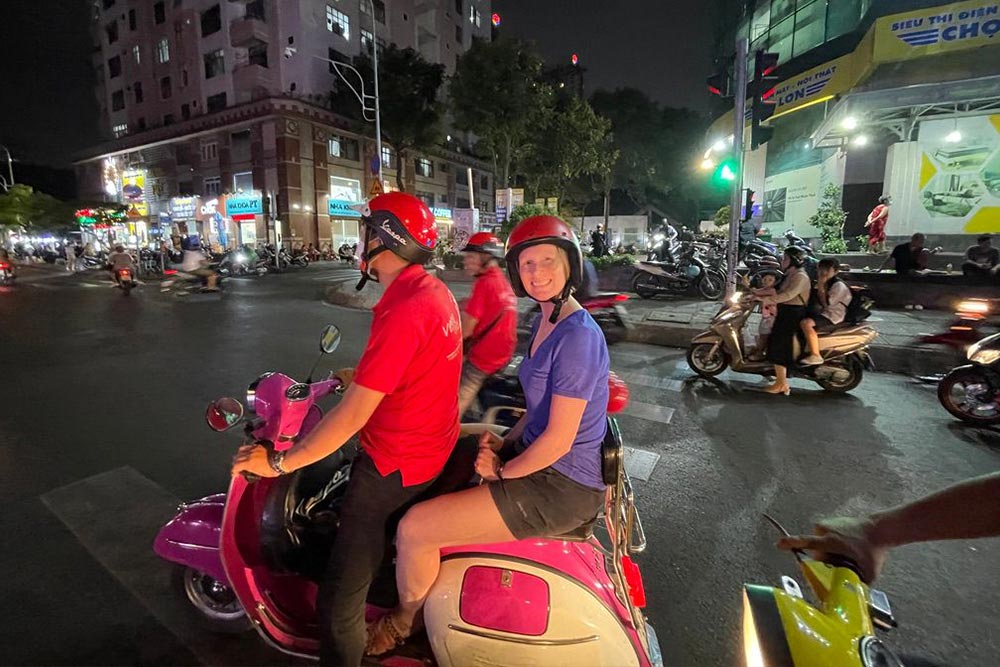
(706, 363)
(855, 370)
(215, 602)
(645, 285)
(964, 392)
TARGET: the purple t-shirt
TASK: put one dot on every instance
(572, 362)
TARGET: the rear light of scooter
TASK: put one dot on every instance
(633, 578)
(621, 297)
(4, 266)
(170, 272)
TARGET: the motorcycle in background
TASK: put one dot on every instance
(7, 272)
(721, 346)
(251, 557)
(781, 628)
(689, 272)
(971, 392)
(125, 279)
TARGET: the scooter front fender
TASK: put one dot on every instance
(191, 538)
(709, 336)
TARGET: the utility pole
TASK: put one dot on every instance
(735, 201)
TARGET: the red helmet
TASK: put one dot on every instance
(486, 243)
(617, 393)
(539, 229)
(403, 224)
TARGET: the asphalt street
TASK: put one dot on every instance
(102, 434)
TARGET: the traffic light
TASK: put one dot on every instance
(764, 101)
(718, 84)
(725, 173)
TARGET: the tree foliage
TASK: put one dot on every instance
(829, 219)
(496, 93)
(520, 213)
(22, 207)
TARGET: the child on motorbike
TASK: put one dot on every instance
(544, 477)
(768, 311)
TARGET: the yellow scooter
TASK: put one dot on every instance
(782, 629)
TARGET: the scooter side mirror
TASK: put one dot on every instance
(330, 340)
(223, 414)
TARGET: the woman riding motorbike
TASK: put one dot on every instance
(544, 477)
(792, 298)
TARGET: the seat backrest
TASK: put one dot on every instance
(612, 453)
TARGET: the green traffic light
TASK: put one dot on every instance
(725, 172)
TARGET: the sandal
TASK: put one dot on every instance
(384, 636)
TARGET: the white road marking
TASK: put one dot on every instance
(655, 413)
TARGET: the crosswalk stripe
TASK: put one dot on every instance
(652, 381)
(655, 413)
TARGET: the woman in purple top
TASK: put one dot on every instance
(544, 477)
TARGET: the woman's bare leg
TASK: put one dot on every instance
(812, 338)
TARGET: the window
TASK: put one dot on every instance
(120, 130)
(459, 8)
(458, 34)
(131, 19)
(184, 78)
(163, 51)
(114, 67)
(108, 4)
(335, 56)
(255, 10)
(379, 9)
(761, 21)
(780, 39)
(257, 55)
(213, 186)
(168, 119)
(342, 147)
(185, 111)
(216, 102)
(118, 100)
(367, 40)
(215, 64)
(810, 27)
(442, 198)
(141, 124)
(209, 151)
(137, 90)
(338, 22)
(159, 13)
(388, 158)
(211, 21)
(424, 167)
(112, 31)
(165, 90)
(136, 54)
(425, 197)
(243, 182)
(444, 167)
(781, 9)
(843, 17)
(475, 18)
(484, 182)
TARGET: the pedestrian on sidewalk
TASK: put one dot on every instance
(909, 256)
(877, 220)
(489, 317)
(981, 260)
(70, 249)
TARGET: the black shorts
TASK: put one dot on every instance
(545, 503)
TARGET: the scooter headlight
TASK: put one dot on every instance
(764, 641)
(736, 298)
(240, 257)
(251, 398)
(876, 654)
(986, 357)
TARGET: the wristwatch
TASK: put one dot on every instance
(500, 472)
(275, 460)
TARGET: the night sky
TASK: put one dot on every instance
(48, 113)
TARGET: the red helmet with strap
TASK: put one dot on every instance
(403, 224)
(539, 229)
(486, 243)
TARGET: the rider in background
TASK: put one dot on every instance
(489, 317)
(832, 297)
(118, 260)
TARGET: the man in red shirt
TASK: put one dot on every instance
(403, 401)
(489, 317)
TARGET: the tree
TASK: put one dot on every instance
(829, 219)
(408, 91)
(496, 94)
(23, 207)
(520, 213)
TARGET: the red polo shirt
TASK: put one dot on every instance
(492, 297)
(414, 357)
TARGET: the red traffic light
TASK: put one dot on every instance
(574, 59)
(496, 20)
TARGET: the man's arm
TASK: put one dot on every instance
(468, 324)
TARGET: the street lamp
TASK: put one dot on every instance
(363, 97)
(10, 166)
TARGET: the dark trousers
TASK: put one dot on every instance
(372, 507)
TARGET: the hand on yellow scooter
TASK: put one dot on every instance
(845, 537)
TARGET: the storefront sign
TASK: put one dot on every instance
(183, 208)
(210, 208)
(242, 205)
(134, 185)
(341, 208)
(946, 28)
(441, 213)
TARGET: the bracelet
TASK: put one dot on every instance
(500, 472)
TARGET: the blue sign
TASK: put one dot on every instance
(244, 205)
(341, 208)
(444, 213)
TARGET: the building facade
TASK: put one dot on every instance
(878, 97)
(218, 117)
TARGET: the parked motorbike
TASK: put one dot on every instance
(251, 557)
(690, 271)
(298, 258)
(781, 628)
(7, 273)
(721, 346)
(125, 279)
(971, 392)
(793, 240)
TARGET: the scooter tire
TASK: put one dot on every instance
(235, 623)
(712, 285)
(702, 370)
(964, 376)
(640, 282)
(852, 364)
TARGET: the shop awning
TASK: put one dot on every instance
(900, 109)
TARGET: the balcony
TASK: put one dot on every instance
(258, 80)
(247, 31)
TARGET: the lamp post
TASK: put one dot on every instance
(10, 162)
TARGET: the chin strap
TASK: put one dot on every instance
(559, 301)
(361, 283)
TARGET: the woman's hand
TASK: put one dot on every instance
(252, 459)
(487, 464)
(346, 376)
(490, 440)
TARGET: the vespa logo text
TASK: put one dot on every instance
(388, 230)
